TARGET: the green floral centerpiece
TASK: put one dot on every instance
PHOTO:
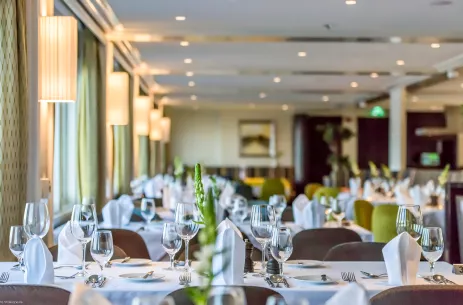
(443, 177)
(179, 169)
(374, 173)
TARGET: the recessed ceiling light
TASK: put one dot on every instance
(415, 99)
(400, 62)
(252, 105)
(277, 80)
(191, 84)
(189, 74)
(284, 107)
(262, 95)
(374, 75)
(184, 43)
(180, 18)
(362, 104)
(326, 98)
(354, 84)
(395, 39)
(188, 60)
(302, 54)
(351, 2)
(435, 45)
(193, 97)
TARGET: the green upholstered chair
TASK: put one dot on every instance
(311, 188)
(363, 211)
(327, 192)
(272, 186)
(383, 222)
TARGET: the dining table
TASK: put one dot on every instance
(120, 291)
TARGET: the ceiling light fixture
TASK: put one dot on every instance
(262, 95)
(180, 18)
(277, 80)
(188, 60)
(189, 74)
(184, 43)
(194, 97)
(435, 45)
(362, 104)
(191, 84)
(351, 2)
(400, 62)
(326, 98)
(374, 75)
(302, 54)
(354, 84)
(284, 107)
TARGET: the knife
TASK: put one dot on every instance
(269, 282)
(102, 283)
(148, 274)
(125, 260)
(285, 282)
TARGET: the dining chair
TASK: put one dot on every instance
(272, 186)
(131, 242)
(383, 222)
(244, 190)
(363, 211)
(254, 295)
(311, 188)
(356, 251)
(315, 243)
(118, 253)
(287, 215)
(326, 192)
(419, 294)
(34, 294)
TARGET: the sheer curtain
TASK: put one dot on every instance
(13, 118)
(143, 156)
(121, 173)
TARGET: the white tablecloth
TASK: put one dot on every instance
(121, 292)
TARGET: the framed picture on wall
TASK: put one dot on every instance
(257, 138)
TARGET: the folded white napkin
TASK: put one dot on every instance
(166, 197)
(354, 185)
(127, 207)
(299, 203)
(419, 196)
(175, 194)
(69, 248)
(402, 257)
(153, 187)
(84, 295)
(112, 214)
(39, 263)
(429, 188)
(353, 293)
(313, 215)
(402, 196)
(227, 192)
(368, 190)
(385, 186)
(229, 263)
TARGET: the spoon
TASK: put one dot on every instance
(93, 279)
(277, 279)
(372, 275)
(441, 279)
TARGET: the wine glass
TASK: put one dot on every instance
(83, 224)
(410, 220)
(240, 209)
(337, 210)
(36, 219)
(186, 225)
(279, 204)
(148, 210)
(432, 244)
(227, 295)
(18, 240)
(262, 222)
(171, 242)
(102, 248)
(281, 245)
(88, 201)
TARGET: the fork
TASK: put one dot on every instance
(185, 278)
(4, 277)
(348, 277)
(67, 277)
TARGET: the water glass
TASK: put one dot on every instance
(227, 295)
(148, 210)
(239, 209)
(262, 222)
(102, 248)
(432, 245)
(186, 225)
(17, 243)
(338, 210)
(281, 245)
(279, 204)
(410, 220)
(36, 219)
(83, 224)
(171, 242)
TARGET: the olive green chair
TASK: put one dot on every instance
(363, 211)
(326, 192)
(271, 187)
(383, 222)
(311, 188)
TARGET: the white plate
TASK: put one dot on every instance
(304, 263)
(133, 262)
(138, 277)
(315, 279)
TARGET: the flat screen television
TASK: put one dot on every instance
(430, 159)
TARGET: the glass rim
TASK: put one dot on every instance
(409, 205)
(429, 228)
(103, 231)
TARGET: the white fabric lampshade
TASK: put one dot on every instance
(58, 59)
(165, 127)
(142, 108)
(155, 125)
(118, 110)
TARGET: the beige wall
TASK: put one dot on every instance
(210, 136)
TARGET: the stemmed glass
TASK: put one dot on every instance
(281, 245)
(279, 204)
(410, 219)
(171, 242)
(186, 225)
(18, 240)
(239, 209)
(102, 248)
(337, 210)
(83, 224)
(432, 244)
(36, 219)
(262, 222)
(148, 210)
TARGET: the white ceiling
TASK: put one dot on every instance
(238, 70)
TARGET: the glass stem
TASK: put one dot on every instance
(281, 269)
(187, 264)
(264, 248)
(432, 267)
(171, 257)
(84, 245)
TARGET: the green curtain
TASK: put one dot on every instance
(121, 160)
(13, 118)
(143, 156)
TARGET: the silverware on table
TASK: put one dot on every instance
(442, 279)
(125, 260)
(148, 274)
(276, 279)
(372, 275)
(348, 277)
(66, 277)
(269, 282)
(4, 277)
(285, 282)
(185, 278)
(103, 281)
(79, 267)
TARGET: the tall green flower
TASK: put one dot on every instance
(443, 177)
(199, 191)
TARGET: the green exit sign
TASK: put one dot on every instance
(377, 112)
